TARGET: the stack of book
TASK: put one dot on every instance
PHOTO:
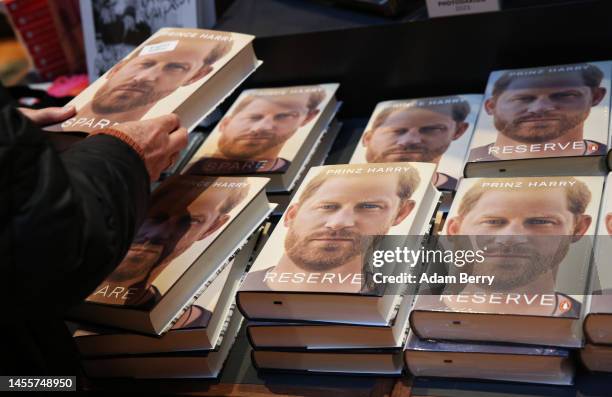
(279, 133)
(531, 203)
(597, 353)
(533, 238)
(167, 310)
(314, 298)
(530, 207)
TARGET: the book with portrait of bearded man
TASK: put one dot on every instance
(433, 130)
(274, 132)
(177, 70)
(526, 246)
(318, 263)
(543, 121)
(193, 227)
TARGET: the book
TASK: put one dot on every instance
(194, 225)
(198, 328)
(530, 240)
(317, 264)
(375, 363)
(597, 357)
(501, 362)
(598, 320)
(309, 336)
(182, 71)
(181, 365)
(543, 121)
(268, 131)
(111, 31)
(434, 130)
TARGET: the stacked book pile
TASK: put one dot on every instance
(532, 203)
(311, 296)
(167, 310)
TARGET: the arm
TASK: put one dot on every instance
(66, 222)
(69, 220)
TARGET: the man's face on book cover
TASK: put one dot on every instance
(143, 80)
(524, 232)
(172, 226)
(337, 222)
(412, 134)
(542, 108)
(264, 123)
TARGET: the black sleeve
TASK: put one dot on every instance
(66, 221)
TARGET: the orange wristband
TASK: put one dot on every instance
(124, 137)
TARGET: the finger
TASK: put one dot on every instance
(51, 115)
(167, 123)
(177, 140)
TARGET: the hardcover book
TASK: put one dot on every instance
(182, 71)
(597, 357)
(433, 130)
(503, 362)
(316, 266)
(598, 321)
(180, 365)
(377, 363)
(308, 336)
(198, 328)
(268, 131)
(549, 120)
(532, 238)
(193, 227)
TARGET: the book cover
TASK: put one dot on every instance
(156, 78)
(197, 315)
(434, 130)
(263, 131)
(187, 214)
(533, 238)
(548, 111)
(322, 241)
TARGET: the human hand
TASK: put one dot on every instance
(48, 116)
(160, 139)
